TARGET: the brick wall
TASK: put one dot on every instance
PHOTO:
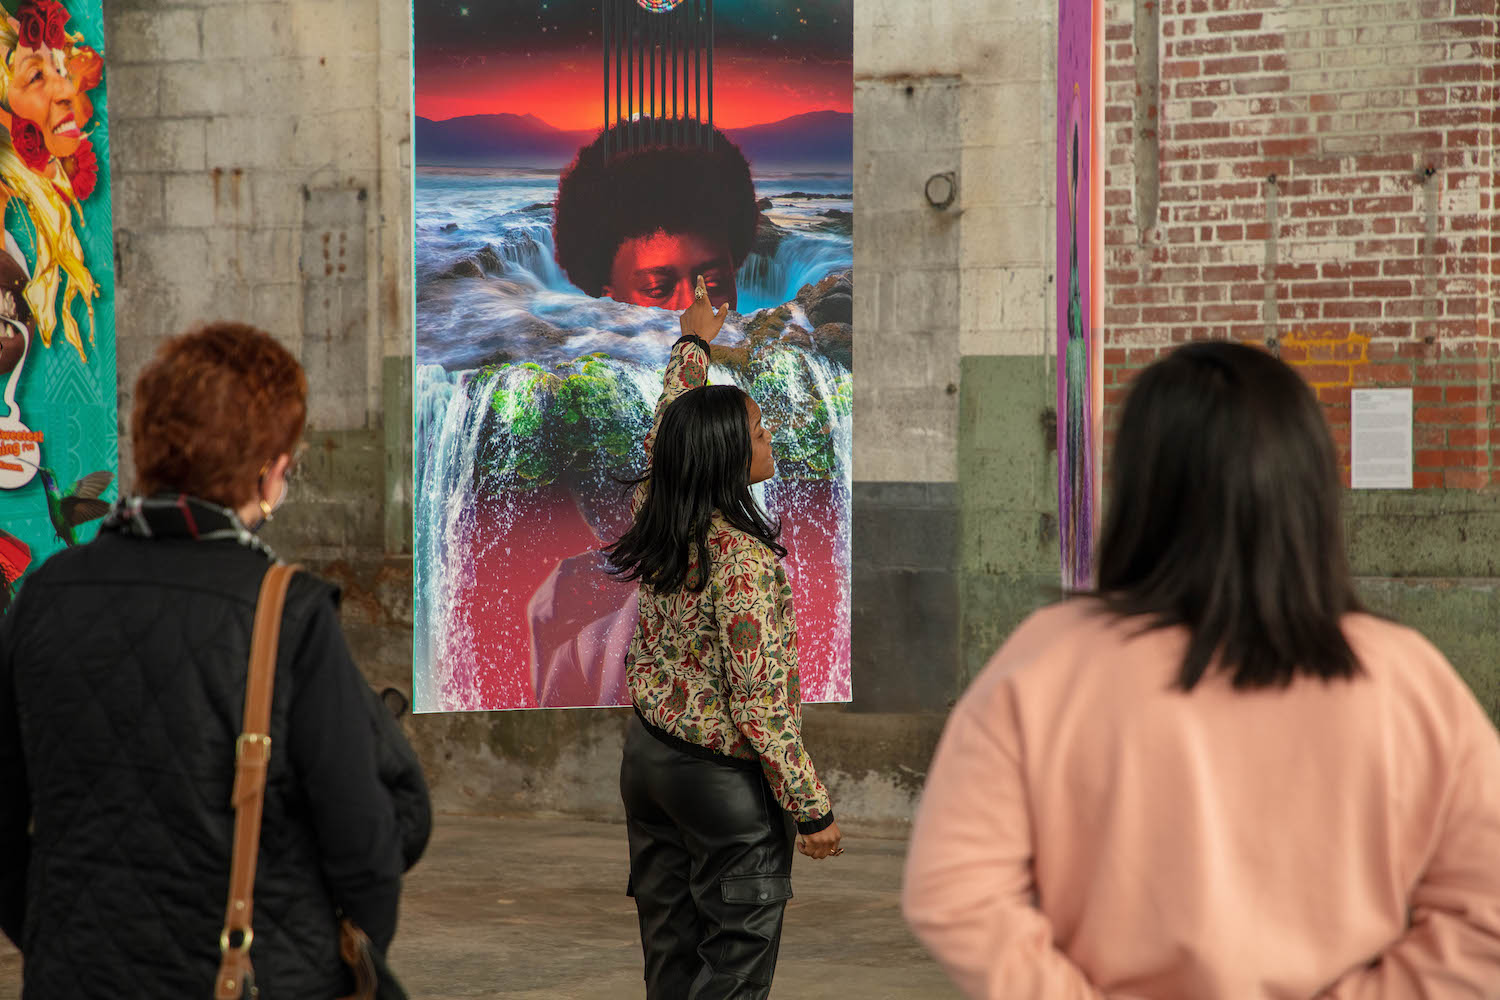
(1326, 185)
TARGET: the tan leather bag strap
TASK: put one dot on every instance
(252, 755)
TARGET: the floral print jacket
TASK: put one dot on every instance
(718, 669)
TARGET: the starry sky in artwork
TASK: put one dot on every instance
(773, 59)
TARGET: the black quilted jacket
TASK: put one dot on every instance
(122, 679)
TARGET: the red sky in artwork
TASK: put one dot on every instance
(567, 91)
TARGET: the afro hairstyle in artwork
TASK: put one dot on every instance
(653, 190)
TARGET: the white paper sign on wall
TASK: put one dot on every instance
(1382, 439)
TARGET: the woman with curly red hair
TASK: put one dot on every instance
(123, 666)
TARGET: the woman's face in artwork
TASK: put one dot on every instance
(762, 463)
(661, 270)
(42, 92)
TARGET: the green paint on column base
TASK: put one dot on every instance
(1459, 617)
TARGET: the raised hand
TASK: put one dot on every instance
(700, 319)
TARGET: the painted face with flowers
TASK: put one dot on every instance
(47, 76)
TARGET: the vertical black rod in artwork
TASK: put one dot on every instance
(657, 95)
(698, 68)
(651, 74)
(682, 75)
(668, 78)
(710, 74)
(674, 42)
(635, 58)
(619, 78)
(629, 33)
(621, 81)
(636, 75)
(604, 13)
(645, 27)
(661, 81)
(685, 31)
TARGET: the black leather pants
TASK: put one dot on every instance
(710, 869)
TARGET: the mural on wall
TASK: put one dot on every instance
(578, 163)
(58, 430)
(1080, 300)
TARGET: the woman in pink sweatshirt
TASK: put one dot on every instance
(1217, 779)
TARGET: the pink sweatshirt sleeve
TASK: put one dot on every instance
(1451, 949)
(969, 893)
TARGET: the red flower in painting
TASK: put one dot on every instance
(30, 145)
(744, 633)
(83, 170)
(43, 23)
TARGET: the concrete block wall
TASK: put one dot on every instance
(262, 173)
(952, 462)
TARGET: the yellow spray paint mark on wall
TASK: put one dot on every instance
(1326, 359)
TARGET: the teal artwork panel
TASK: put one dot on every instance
(65, 395)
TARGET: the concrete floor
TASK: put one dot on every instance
(537, 909)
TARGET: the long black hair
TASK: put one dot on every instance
(699, 464)
(1225, 517)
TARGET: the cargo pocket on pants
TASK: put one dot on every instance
(755, 889)
(752, 907)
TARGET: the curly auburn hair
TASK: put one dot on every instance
(212, 409)
(671, 189)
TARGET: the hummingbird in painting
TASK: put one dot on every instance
(79, 505)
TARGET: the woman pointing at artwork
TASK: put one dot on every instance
(715, 774)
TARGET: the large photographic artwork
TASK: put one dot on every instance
(58, 437)
(1080, 298)
(578, 164)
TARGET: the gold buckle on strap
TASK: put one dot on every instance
(259, 739)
